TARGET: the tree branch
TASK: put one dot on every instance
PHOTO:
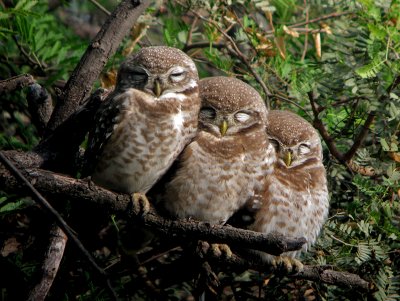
(56, 216)
(62, 188)
(101, 48)
(360, 137)
(51, 264)
(16, 82)
(314, 273)
(318, 124)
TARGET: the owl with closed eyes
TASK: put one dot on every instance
(145, 123)
(294, 200)
(229, 157)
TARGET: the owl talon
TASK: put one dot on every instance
(287, 265)
(141, 204)
(220, 250)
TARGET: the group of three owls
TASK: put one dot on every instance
(229, 148)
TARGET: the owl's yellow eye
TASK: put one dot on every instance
(207, 113)
(242, 116)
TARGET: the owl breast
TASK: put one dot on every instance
(291, 211)
(210, 187)
(144, 144)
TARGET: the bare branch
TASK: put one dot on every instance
(53, 256)
(16, 82)
(62, 188)
(314, 273)
(360, 137)
(40, 106)
(57, 217)
(318, 124)
(330, 16)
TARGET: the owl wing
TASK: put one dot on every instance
(106, 119)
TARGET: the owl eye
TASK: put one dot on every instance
(208, 113)
(274, 143)
(304, 149)
(177, 75)
(242, 116)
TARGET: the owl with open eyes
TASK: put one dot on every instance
(229, 157)
(145, 123)
(294, 200)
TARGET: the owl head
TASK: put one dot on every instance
(294, 139)
(230, 107)
(158, 70)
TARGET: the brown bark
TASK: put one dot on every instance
(52, 260)
(61, 188)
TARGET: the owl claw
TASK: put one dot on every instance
(287, 264)
(141, 204)
(221, 250)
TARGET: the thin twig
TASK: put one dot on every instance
(188, 47)
(190, 33)
(330, 143)
(235, 51)
(360, 137)
(101, 7)
(329, 16)
(34, 62)
(306, 36)
(285, 99)
(58, 219)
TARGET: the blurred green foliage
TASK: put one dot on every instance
(346, 53)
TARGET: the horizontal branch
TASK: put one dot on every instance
(314, 273)
(16, 82)
(62, 188)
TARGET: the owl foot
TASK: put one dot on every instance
(287, 264)
(141, 204)
(219, 250)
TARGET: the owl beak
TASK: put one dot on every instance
(223, 127)
(288, 158)
(157, 88)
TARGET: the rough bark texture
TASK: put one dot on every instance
(62, 188)
(52, 260)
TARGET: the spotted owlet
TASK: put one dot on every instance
(229, 157)
(295, 196)
(146, 121)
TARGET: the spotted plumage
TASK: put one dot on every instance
(146, 121)
(229, 157)
(295, 196)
